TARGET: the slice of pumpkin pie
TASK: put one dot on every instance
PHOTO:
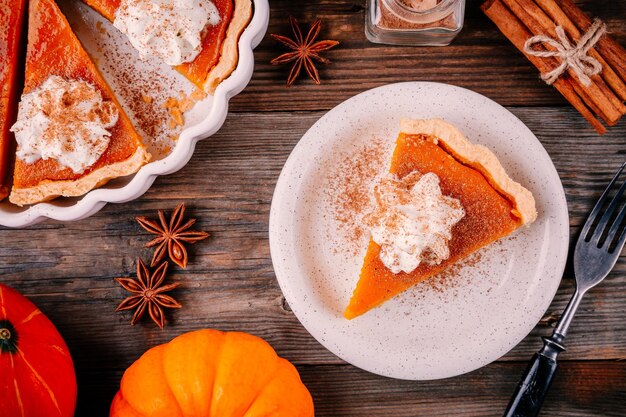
(72, 134)
(197, 37)
(444, 199)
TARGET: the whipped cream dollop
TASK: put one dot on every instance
(64, 120)
(412, 221)
(170, 30)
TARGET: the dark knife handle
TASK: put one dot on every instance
(536, 381)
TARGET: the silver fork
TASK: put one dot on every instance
(594, 258)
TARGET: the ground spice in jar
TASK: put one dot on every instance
(414, 22)
(390, 20)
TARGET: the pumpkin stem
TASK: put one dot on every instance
(8, 337)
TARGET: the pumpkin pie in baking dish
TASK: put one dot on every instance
(12, 14)
(198, 37)
(72, 134)
(444, 199)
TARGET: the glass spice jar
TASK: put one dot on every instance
(414, 22)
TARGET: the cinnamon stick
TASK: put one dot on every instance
(552, 8)
(511, 26)
(540, 24)
(612, 51)
(584, 95)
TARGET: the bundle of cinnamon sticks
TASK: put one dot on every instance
(603, 98)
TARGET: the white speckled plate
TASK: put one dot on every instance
(425, 333)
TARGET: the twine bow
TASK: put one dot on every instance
(572, 56)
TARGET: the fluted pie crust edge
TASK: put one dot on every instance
(478, 157)
(230, 46)
(48, 190)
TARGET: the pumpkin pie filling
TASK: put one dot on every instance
(218, 55)
(198, 69)
(494, 206)
(54, 51)
(12, 14)
(28, 175)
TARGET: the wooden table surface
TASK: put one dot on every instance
(67, 269)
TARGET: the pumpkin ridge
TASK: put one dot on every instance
(28, 318)
(167, 381)
(28, 339)
(285, 370)
(221, 340)
(258, 394)
(160, 349)
(119, 397)
(41, 381)
(169, 388)
(17, 390)
(238, 334)
(60, 350)
(4, 311)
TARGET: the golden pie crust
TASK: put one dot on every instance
(48, 190)
(230, 46)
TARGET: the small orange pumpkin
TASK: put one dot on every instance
(37, 376)
(208, 373)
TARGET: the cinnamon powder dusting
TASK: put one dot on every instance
(141, 92)
(349, 193)
(151, 99)
(451, 277)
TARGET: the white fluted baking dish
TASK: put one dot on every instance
(203, 120)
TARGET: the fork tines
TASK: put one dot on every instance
(600, 236)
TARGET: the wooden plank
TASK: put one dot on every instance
(68, 268)
(590, 389)
(481, 59)
(346, 391)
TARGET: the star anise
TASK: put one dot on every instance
(305, 50)
(148, 294)
(171, 236)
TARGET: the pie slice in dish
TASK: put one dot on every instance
(12, 14)
(54, 53)
(219, 53)
(494, 205)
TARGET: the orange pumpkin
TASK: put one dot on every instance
(208, 373)
(37, 376)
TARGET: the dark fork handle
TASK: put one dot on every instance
(532, 389)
